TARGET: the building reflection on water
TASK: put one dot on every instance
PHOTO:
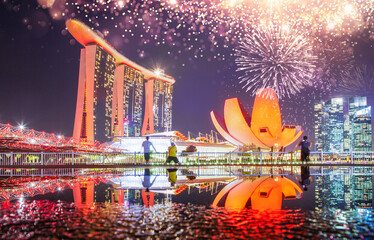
(139, 206)
(83, 192)
(149, 189)
(263, 193)
(344, 188)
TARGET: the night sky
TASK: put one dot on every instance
(40, 60)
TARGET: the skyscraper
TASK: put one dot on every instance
(320, 122)
(343, 124)
(95, 93)
(116, 95)
(130, 101)
(335, 126)
(162, 98)
(158, 104)
(360, 124)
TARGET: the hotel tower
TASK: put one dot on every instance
(116, 97)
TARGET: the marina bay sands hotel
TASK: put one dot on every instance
(116, 97)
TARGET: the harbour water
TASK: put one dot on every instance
(337, 205)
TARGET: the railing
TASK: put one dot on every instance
(202, 164)
(194, 158)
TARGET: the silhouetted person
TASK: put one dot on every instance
(306, 179)
(305, 149)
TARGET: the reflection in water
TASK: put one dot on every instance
(172, 176)
(305, 178)
(264, 193)
(83, 193)
(118, 195)
(167, 184)
(147, 183)
(44, 219)
(344, 188)
(141, 206)
(15, 188)
(147, 196)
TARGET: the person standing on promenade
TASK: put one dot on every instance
(305, 149)
(146, 145)
(172, 154)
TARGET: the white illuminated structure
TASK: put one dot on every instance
(162, 142)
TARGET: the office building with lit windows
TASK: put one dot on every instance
(344, 189)
(117, 97)
(162, 99)
(343, 124)
(320, 121)
(360, 124)
(362, 194)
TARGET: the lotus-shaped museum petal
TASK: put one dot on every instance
(264, 193)
(263, 129)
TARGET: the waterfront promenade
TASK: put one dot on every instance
(198, 163)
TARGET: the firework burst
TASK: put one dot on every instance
(335, 64)
(275, 57)
(192, 30)
(360, 81)
(206, 29)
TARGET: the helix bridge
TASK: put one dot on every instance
(21, 139)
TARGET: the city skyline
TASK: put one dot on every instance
(343, 124)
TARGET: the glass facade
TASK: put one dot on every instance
(320, 123)
(162, 105)
(338, 188)
(83, 135)
(360, 131)
(343, 124)
(335, 126)
(105, 65)
(133, 102)
(363, 188)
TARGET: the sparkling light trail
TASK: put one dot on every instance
(210, 30)
(276, 57)
(360, 81)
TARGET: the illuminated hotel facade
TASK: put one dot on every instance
(116, 97)
(162, 103)
(343, 124)
(130, 102)
(95, 93)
